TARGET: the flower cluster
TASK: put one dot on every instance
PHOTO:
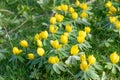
(84, 65)
(67, 39)
(113, 18)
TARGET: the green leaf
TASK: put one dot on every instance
(2, 56)
(55, 68)
(40, 63)
(83, 21)
(44, 24)
(107, 44)
(68, 61)
(92, 74)
(44, 42)
(114, 71)
(13, 58)
(117, 67)
(20, 58)
(64, 54)
(108, 66)
(103, 76)
(85, 76)
(98, 67)
(78, 74)
(61, 67)
(1, 78)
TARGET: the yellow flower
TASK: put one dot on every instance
(82, 33)
(71, 10)
(113, 19)
(87, 30)
(52, 29)
(37, 36)
(81, 39)
(83, 57)
(66, 33)
(117, 24)
(84, 66)
(52, 20)
(109, 13)
(16, 51)
(64, 7)
(39, 43)
(74, 50)
(40, 51)
(55, 44)
(74, 15)
(53, 60)
(68, 28)
(59, 17)
(31, 56)
(44, 34)
(108, 4)
(114, 57)
(83, 15)
(91, 59)
(77, 3)
(112, 9)
(24, 43)
(64, 39)
(58, 8)
(84, 6)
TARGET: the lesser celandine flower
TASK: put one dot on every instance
(58, 8)
(37, 36)
(84, 65)
(108, 4)
(71, 10)
(68, 28)
(64, 39)
(16, 51)
(114, 57)
(53, 60)
(77, 3)
(109, 13)
(74, 50)
(64, 7)
(39, 43)
(55, 44)
(81, 39)
(91, 59)
(74, 15)
(24, 43)
(117, 24)
(52, 29)
(44, 34)
(59, 17)
(112, 9)
(82, 33)
(66, 33)
(30, 56)
(83, 15)
(40, 51)
(84, 6)
(87, 30)
(52, 20)
(113, 19)
(83, 57)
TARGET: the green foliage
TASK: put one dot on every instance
(22, 19)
